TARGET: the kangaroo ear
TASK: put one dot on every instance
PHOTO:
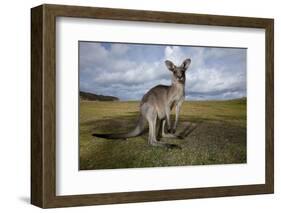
(186, 63)
(170, 65)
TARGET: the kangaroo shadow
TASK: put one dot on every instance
(188, 129)
(201, 136)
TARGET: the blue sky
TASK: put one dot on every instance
(128, 71)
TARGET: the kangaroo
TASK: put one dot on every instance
(156, 106)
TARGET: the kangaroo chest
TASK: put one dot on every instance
(177, 94)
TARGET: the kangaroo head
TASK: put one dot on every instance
(178, 71)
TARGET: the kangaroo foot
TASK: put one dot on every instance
(169, 135)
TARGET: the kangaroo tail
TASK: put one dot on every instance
(135, 132)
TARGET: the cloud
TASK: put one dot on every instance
(119, 49)
(215, 73)
(128, 71)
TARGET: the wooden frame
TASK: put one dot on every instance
(43, 106)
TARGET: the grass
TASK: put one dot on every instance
(214, 133)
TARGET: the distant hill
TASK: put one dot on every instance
(86, 96)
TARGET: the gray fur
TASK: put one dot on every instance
(156, 106)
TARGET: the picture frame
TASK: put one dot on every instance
(43, 105)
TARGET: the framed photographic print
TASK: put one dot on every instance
(136, 106)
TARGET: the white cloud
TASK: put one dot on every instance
(213, 81)
(93, 54)
(214, 72)
(208, 80)
(119, 49)
(175, 54)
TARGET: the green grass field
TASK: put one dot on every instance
(214, 132)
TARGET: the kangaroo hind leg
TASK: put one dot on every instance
(152, 123)
(164, 134)
(159, 123)
(152, 118)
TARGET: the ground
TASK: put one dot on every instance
(213, 132)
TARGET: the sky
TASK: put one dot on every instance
(128, 71)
